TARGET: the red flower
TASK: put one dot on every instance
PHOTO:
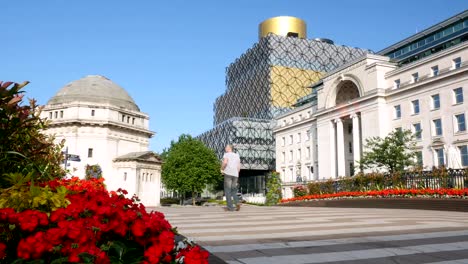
(2, 251)
(30, 219)
(196, 256)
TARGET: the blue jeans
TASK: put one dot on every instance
(230, 189)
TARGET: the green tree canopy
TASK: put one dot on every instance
(394, 153)
(189, 166)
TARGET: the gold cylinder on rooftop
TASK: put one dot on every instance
(284, 26)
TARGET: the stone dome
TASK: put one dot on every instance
(94, 89)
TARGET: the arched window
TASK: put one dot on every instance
(346, 91)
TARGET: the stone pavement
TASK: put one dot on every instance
(296, 235)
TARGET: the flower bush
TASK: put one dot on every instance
(299, 190)
(435, 193)
(96, 227)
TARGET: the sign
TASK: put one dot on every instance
(73, 157)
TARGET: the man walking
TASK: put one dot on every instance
(230, 169)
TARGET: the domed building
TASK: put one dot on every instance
(104, 129)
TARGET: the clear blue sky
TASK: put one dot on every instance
(171, 55)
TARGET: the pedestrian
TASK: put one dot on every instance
(230, 169)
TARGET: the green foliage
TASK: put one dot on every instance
(392, 153)
(273, 186)
(23, 148)
(189, 166)
(93, 171)
(24, 195)
(299, 191)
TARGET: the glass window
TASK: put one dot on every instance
(437, 127)
(440, 157)
(350, 147)
(307, 135)
(291, 156)
(414, 46)
(430, 39)
(299, 154)
(464, 155)
(125, 176)
(291, 138)
(92, 112)
(50, 115)
(415, 77)
(90, 153)
(457, 63)
(283, 157)
(417, 130)
(298, 137)
(461, 124)
(308, 153)
(283, 141)
(123, 118)
(448, 31)
(55, 114)
(458, 95)
(435, 70)
(61, 114)
(133, 121)
(458, 26)
(397, 111)
(396, 84)
(421, 43)
(438, 35)
(419, 158)
(435, 101)
(415, 106)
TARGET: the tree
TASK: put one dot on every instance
(393, 153)
(189, 166)
(24, 149)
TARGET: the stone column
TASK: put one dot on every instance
(356, 139)
(340, 148)
(332, 152)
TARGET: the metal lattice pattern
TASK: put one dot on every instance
(264, 82)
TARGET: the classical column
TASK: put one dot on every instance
(356, 139)
(340, 148)
(332, 151)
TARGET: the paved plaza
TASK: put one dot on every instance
(293, 235)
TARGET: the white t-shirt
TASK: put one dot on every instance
(233, 162)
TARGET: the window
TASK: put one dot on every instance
(283, 141)
(123, 118)
(415, 77)
(291, 156)
(307, 135)
(461, 124)
(133, 121)
(419, 158)
(464, 155)
(292, 120)
(55, 114)
(90, 153)
(435, 101)
(458, 95)
(350, 145)
(308, 153)
(298, 137)
(299, 154)
(417, 130)
(61, 114)
(350, 129)
(437, 127)
(300, 116)
(440, 157)
(128, 119)
(291, 139)
(92, 112)
(396, 84)
(283, 157)
(125, 176)
(284, 122)
(435, 70)
(50, 115)
(457, 63)
(415, 104)
(397, 111)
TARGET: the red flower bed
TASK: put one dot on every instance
(447, 193)
(97, 227)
